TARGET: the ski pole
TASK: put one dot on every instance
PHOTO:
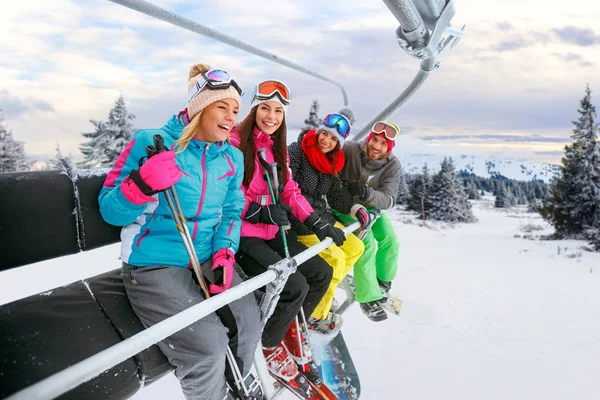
(180, 221)
(277, 198)
(262, 155)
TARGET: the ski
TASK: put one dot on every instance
(314, 393)
(321, 390)
(410, 311)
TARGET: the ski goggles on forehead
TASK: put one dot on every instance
(391, 131)
(267, 89)
(214, 79)
(339, 122)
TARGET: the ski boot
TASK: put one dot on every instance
(327, 326)
(373, 311)
(284, 369)
(299, 349)
(385, 289)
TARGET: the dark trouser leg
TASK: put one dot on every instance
(242, 319)
(254, 256)
(198, 351)
(315, 270)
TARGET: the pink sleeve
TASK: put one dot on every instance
(292, 196)
(247, 203)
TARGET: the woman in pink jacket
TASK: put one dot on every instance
(261, 242)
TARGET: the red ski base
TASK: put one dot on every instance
(314, 392)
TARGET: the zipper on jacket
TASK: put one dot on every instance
(203, 166)
(146, 232)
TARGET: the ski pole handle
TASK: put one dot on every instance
(159, 146)
(159, 143)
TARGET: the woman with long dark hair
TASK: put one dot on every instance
(261, 242)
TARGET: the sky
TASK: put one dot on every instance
(511, 86)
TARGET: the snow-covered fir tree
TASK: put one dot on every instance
(473, 192)
(594, 236)
(313, 121)
(402, 197)
(60, 161)
(447, 197)
(109, 138)
(502, 199)
(573, 205)
(419, 190)
(12, 152)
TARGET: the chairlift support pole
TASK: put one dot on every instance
(422, 24)
(154, 11)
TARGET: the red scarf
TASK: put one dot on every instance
(317, 158)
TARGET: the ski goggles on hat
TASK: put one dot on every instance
(267, 89)
(214, 79)
(339, 122)
(389, 129)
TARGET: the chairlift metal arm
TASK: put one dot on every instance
(154, 11)
(422, 24)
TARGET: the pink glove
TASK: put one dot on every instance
(224, 259)
(133, 193)
(160, 171)
(361, 214)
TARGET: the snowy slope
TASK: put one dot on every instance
(482, 165)
(516, 318)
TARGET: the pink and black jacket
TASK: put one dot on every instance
(258, 190)
(209, 192)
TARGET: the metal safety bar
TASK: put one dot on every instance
(67, 379)
(152, 10)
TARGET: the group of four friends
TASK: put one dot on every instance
(325, 181)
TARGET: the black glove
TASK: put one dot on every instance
(273, 214)
(357, 189)
(324, 229)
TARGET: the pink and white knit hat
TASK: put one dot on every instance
(208, 95)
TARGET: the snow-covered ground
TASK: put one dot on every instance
(517, 318)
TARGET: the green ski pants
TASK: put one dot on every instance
(379, 260)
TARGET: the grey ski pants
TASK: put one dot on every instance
(197, 352)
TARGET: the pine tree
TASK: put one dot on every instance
(313, 121)
(473, 192)
(12, 152)
(594, 236)
(502, 200)
(447, 197)
(573, 205)
(402, 197)
(419, 190)
(60, 161)
(109, 139)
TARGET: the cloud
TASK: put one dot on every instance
(578, 36)
(503, 138)
(505, 26)
(511, 45)
(558, 154)
(568, 57)
(14, 107)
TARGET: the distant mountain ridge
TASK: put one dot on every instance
(484, 166)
